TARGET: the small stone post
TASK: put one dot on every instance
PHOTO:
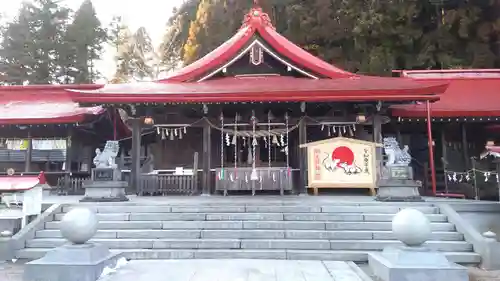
(490, 256)
(413, 260)
(79, 260)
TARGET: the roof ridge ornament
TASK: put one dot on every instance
(256, 18)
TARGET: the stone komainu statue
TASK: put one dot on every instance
(395, 155)
(106, 158)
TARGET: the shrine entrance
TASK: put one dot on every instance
(234, 120)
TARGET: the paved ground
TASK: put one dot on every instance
(264, 199)
(11, 271)
(235, 270)
(14, 272)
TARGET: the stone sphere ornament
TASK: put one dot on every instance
(411, 227)
(79, 225)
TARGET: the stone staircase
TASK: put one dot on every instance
(297, 231)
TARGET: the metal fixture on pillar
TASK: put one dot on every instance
(149, 121)
(361, 118)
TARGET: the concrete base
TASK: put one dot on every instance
(398, 191)
(397, 185)
(70, 263)
(409, 264)
(7, 249)
(105, 191)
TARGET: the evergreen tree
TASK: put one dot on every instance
(120, 37)
(365, 36)
(145, 61)
(49, 21)
(17, 51)
(83, 41)
(136, 58)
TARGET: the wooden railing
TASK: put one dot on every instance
(168, 184)
(72, 185)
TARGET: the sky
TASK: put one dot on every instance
(151, 14)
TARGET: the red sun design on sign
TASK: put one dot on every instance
(344, 154)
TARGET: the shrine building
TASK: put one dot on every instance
(234, 120)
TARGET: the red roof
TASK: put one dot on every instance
(42, 104)
(266, 88)
(256, 22)
(471, 93)
(20, 183)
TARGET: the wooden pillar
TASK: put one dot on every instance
(399, 138)
(444, 157)
(207, 159)
(377, 138)
(430, 143)
(69, 157)
(135, 169)
(302, 188)
(29, 154)
(465, 147)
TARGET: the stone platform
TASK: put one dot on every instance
(238, 270)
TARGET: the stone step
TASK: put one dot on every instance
(370, 245)
(304, 225)
(249, 234)
(252, 217)
(135, 209)
(468, 258)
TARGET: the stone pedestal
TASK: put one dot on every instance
(77, 261)
(396, 184)
(414, 263)
(105, 186)
(84, 262)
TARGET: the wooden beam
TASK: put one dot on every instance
(29, 154)
(69, 157)
(302, 188)
(135, 169)
(207, 157)
(377, 138)
(465, 146)
(444, 156)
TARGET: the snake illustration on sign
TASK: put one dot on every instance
(341, 157)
